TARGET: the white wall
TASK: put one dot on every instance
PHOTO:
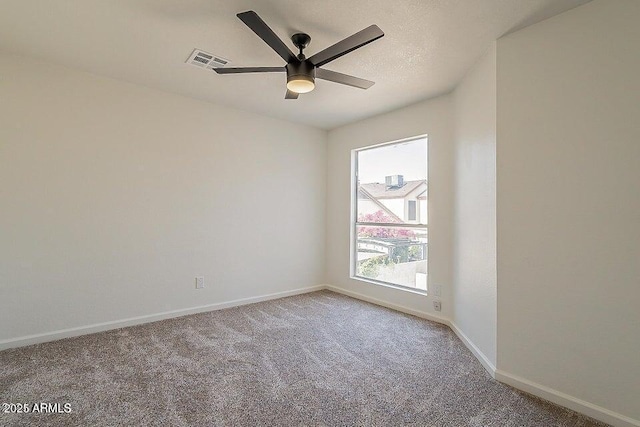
(568, 185)
(114, 197)
(397, 206)
(431, 117)
(474, 224)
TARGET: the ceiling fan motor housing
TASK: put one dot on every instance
(303, 70)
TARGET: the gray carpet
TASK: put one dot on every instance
(319, 359)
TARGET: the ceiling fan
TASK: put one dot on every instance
(302, 71)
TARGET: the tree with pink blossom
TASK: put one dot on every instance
(382, 232)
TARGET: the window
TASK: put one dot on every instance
(389, 227)
(412, 210)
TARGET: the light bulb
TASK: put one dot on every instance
(300, 86)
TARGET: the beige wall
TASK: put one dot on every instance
(474, 218)
(114, 197)
(568, 182)
(431, 117)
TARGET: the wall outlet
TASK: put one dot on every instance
(200, 282)
(437, 290)
(437, 305)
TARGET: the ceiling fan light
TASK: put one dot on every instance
(299, 84)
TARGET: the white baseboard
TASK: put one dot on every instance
(116, 324)
(491, 369)
(562, 399)
(559, 398)
(484, 360)
(403, 309)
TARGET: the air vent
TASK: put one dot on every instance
(203, 59)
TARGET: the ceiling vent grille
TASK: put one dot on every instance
(207, 60)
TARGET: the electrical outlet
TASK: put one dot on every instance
(199, 282)
(437, 305)
(437, 290)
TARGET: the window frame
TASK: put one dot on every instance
(353, 252)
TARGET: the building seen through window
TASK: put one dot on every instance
(390, 238)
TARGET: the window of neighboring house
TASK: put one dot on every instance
(412, 210)
(390, 244)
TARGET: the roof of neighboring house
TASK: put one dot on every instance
(380, 191)
(363, 194)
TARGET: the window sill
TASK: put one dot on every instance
(391, 285)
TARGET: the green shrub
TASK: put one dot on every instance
(371, 267)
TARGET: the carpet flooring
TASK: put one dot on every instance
(319, 359)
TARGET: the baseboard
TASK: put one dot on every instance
(403, 309)
(484, 360)
(116, 324)
(557, 397)
(594, 411)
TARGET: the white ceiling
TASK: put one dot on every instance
(428, 46)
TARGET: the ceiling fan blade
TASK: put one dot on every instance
(291, 95)
(243, 70)
(344, 79)
(347, 45)
(253, 21)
